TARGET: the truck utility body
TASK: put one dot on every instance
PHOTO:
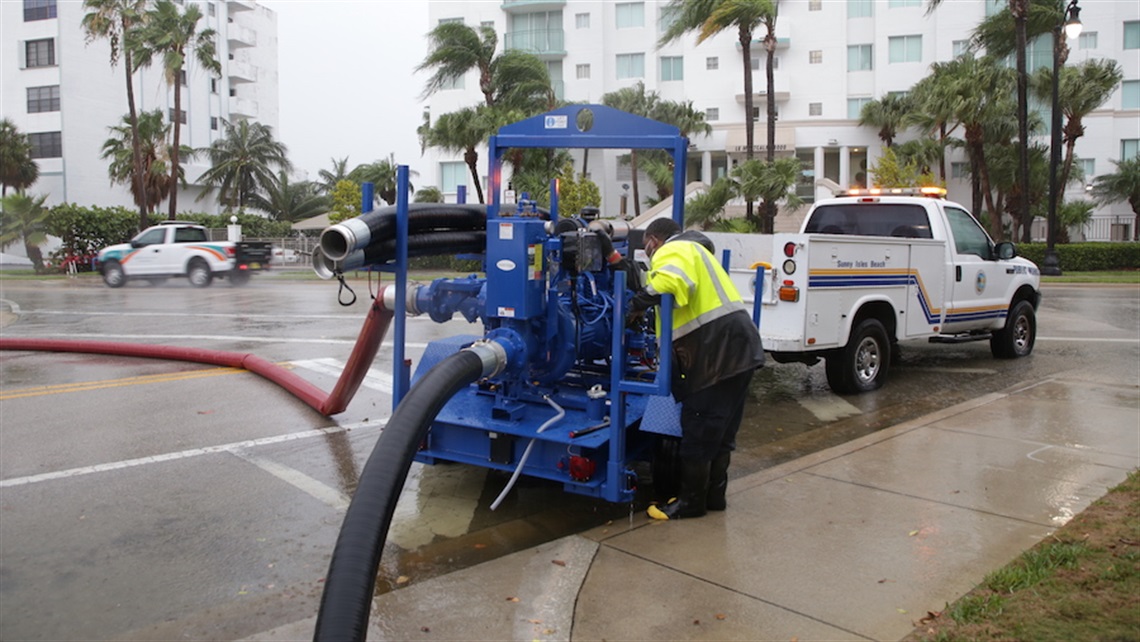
(868, 271)
(181, 249)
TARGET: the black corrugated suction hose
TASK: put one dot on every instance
(347, 598)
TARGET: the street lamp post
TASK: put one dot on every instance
(1071, 26)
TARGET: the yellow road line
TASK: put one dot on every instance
(84, 386)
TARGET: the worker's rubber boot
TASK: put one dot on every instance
(694, 494)
(718, 482)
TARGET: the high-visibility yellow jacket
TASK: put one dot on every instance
(713, 334)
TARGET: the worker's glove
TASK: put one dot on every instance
(641, 302)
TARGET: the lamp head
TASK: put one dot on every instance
(1073, 21)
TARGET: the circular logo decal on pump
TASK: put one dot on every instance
(980, 282)
(506, 265)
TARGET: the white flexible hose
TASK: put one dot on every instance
(526, 453)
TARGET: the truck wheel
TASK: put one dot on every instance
(113, 274)
(1020, 332)
(199, 273)
(238, 278)
(862, 365)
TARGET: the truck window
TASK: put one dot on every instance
(151, 237)
(871, 219)
(969, 237)
(189, 235)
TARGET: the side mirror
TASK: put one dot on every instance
(135, 243)
(1005, 251)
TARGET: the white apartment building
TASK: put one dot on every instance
(833, 56)
(63, 93)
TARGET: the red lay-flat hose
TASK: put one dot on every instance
(328, 404)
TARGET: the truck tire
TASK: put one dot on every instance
(199, 273)
(113, 274)
(1016, 339)
(862, 365)
(238, 278)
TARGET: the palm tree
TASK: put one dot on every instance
(634, 100)
(1083, 88)
(710, 17)
(338, 173)
(17, 168)
(148, 132)
(172, 32)
(888, 114)
(657, 164)
(463, 131)
(25, 218)
(428, 195)
(382, 175)
(454, 49)
(286, 201)
(770, 183)
(115, 20)
(243, 160)
(1122, 185)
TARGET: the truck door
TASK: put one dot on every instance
(977, 295)
(148, 257)
(178, 252)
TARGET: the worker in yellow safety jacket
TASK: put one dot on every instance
(716, 348)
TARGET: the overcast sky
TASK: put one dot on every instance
(347, 86)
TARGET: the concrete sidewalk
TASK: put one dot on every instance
(855, 542)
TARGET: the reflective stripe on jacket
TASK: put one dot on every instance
(713, 334)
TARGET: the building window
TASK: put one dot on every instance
(582, 20)
(959, 171)
(490, 24)
(859, 58)
(41, 99)
(630, 66)
(1088, 168)
(712, 113)
(815, 5)
(860, 8)
(815, 56)
(444, 21)
(1130, 94)
(672, 68)
(896, 4)
(758, 111)
(855, 107)
(181, 115)
(1132, 35)
(582, 72)
(182, 77)
(630, 14)
(452, 175)
(39, 10)
(453, 83)
(815, 109)
(712, 63)
(211, 9)
(214, 123)
(905, 49)
(1087, 40)
(961, 47)
(666, 18)
(994, 7)
(1129, 148)
(39, 53)
(758, 62)
(46, 145)
(213, 85)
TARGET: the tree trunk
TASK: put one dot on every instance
(35, 256)
(942, 155)
(636, 190)
(137, 170)
(471, 157)
(749, 122)
(174, 149)
(585, 161)
(1020, 11)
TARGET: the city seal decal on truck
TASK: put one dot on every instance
(980, 282)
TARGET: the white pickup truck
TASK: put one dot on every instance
(871, 269)
(181, 249)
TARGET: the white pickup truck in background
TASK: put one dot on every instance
(176, 248)
(869, 270)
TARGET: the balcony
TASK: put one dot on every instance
(235, 6)
(526, 6)
(243, 108)
(239, 37)
(544, 43)
(242, 72)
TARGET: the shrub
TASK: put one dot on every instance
(86, 230)
(1087, 257)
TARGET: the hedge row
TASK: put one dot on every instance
(1087, 257)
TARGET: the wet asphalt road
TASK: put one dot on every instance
(144, 499)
